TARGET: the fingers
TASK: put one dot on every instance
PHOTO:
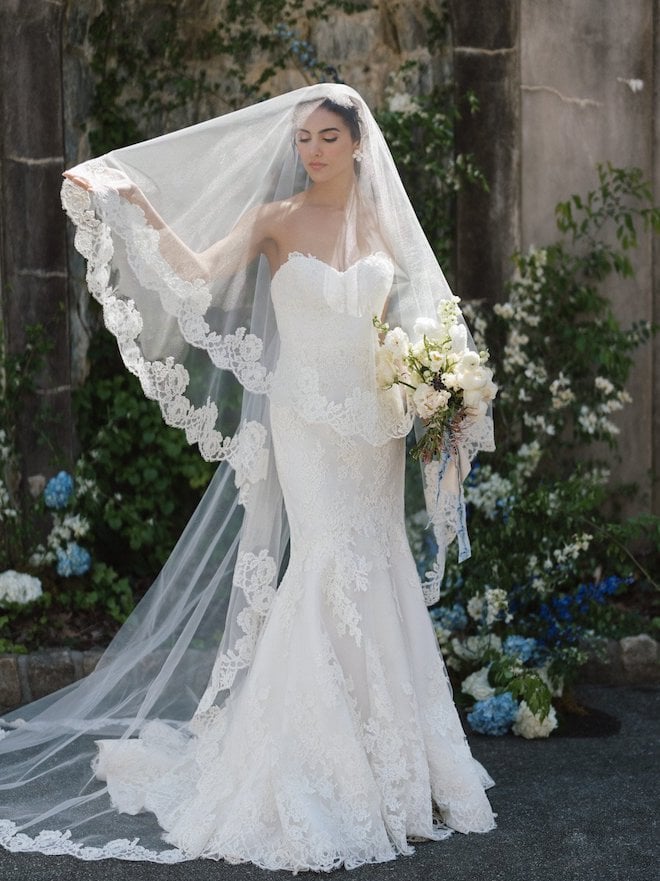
(79, 181)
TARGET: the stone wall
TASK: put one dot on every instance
(589, 93)
(633, 660)
(33, 253)
(563, 86)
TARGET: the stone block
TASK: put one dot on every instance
(49, 671)
(10, 685)
(640, 658)
(485, 24)
(607, 669)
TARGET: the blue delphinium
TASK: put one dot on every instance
(73, 561)
(454, 618)
(521, 646)
(494, 715)
(58, 490)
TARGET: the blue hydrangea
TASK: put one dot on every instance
(521, 646)
(494, 715)
(73, 561)
(454, 618)
(58, 490)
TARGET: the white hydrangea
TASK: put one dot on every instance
(475, 607)
(477, 685)
(497, 601)
(488, 492)
(528, 725)
(18, 587)
(474, 647)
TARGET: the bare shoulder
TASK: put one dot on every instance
(277, 213)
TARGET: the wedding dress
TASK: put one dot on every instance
(344, 732)
(278, 695)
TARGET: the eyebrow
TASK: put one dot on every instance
(321, 131)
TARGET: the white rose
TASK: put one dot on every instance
(427, 400)
(450, 380)
(427, 327)
(472, 378)
(469, 361)
(477, 685)
(530, 726)
(397, 342)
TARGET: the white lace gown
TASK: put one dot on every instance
(343, 742)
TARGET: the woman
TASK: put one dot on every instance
(295, 713)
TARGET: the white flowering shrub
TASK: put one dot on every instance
(420, 132)
(516, 620)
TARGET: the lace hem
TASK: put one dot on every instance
(166, 381)
(52, 842)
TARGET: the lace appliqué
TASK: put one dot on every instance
(254, 575)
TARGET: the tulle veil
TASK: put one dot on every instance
(200, 345)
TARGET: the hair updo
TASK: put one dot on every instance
(347, 112)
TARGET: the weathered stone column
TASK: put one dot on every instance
(33, 258)
(486, 61)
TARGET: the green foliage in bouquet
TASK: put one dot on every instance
(551, 557)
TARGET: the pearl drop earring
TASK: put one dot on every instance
(357, 154)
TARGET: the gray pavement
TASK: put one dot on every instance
(569, 809)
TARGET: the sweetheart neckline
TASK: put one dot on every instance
(298, 254)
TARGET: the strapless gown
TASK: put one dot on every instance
(343, 743)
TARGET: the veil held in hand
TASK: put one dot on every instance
(169, 229)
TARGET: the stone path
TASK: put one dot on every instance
(569, 809)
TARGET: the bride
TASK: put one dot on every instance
(278, 696)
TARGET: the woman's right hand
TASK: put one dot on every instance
(113, 179)
(78, 181)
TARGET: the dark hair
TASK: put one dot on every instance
(348, 113)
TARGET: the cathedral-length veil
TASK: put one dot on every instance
(204, 345)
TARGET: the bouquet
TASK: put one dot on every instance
(446, 381)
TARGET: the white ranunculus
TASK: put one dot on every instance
(427, 400)
(396, 341)
(449, 380)
(530, 726)
(477, 685)
(458, 336)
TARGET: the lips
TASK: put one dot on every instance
(316, 166)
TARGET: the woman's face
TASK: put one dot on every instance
(325, 145)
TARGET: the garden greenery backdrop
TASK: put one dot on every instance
(554, 568)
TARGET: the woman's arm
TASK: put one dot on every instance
(225, 257)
